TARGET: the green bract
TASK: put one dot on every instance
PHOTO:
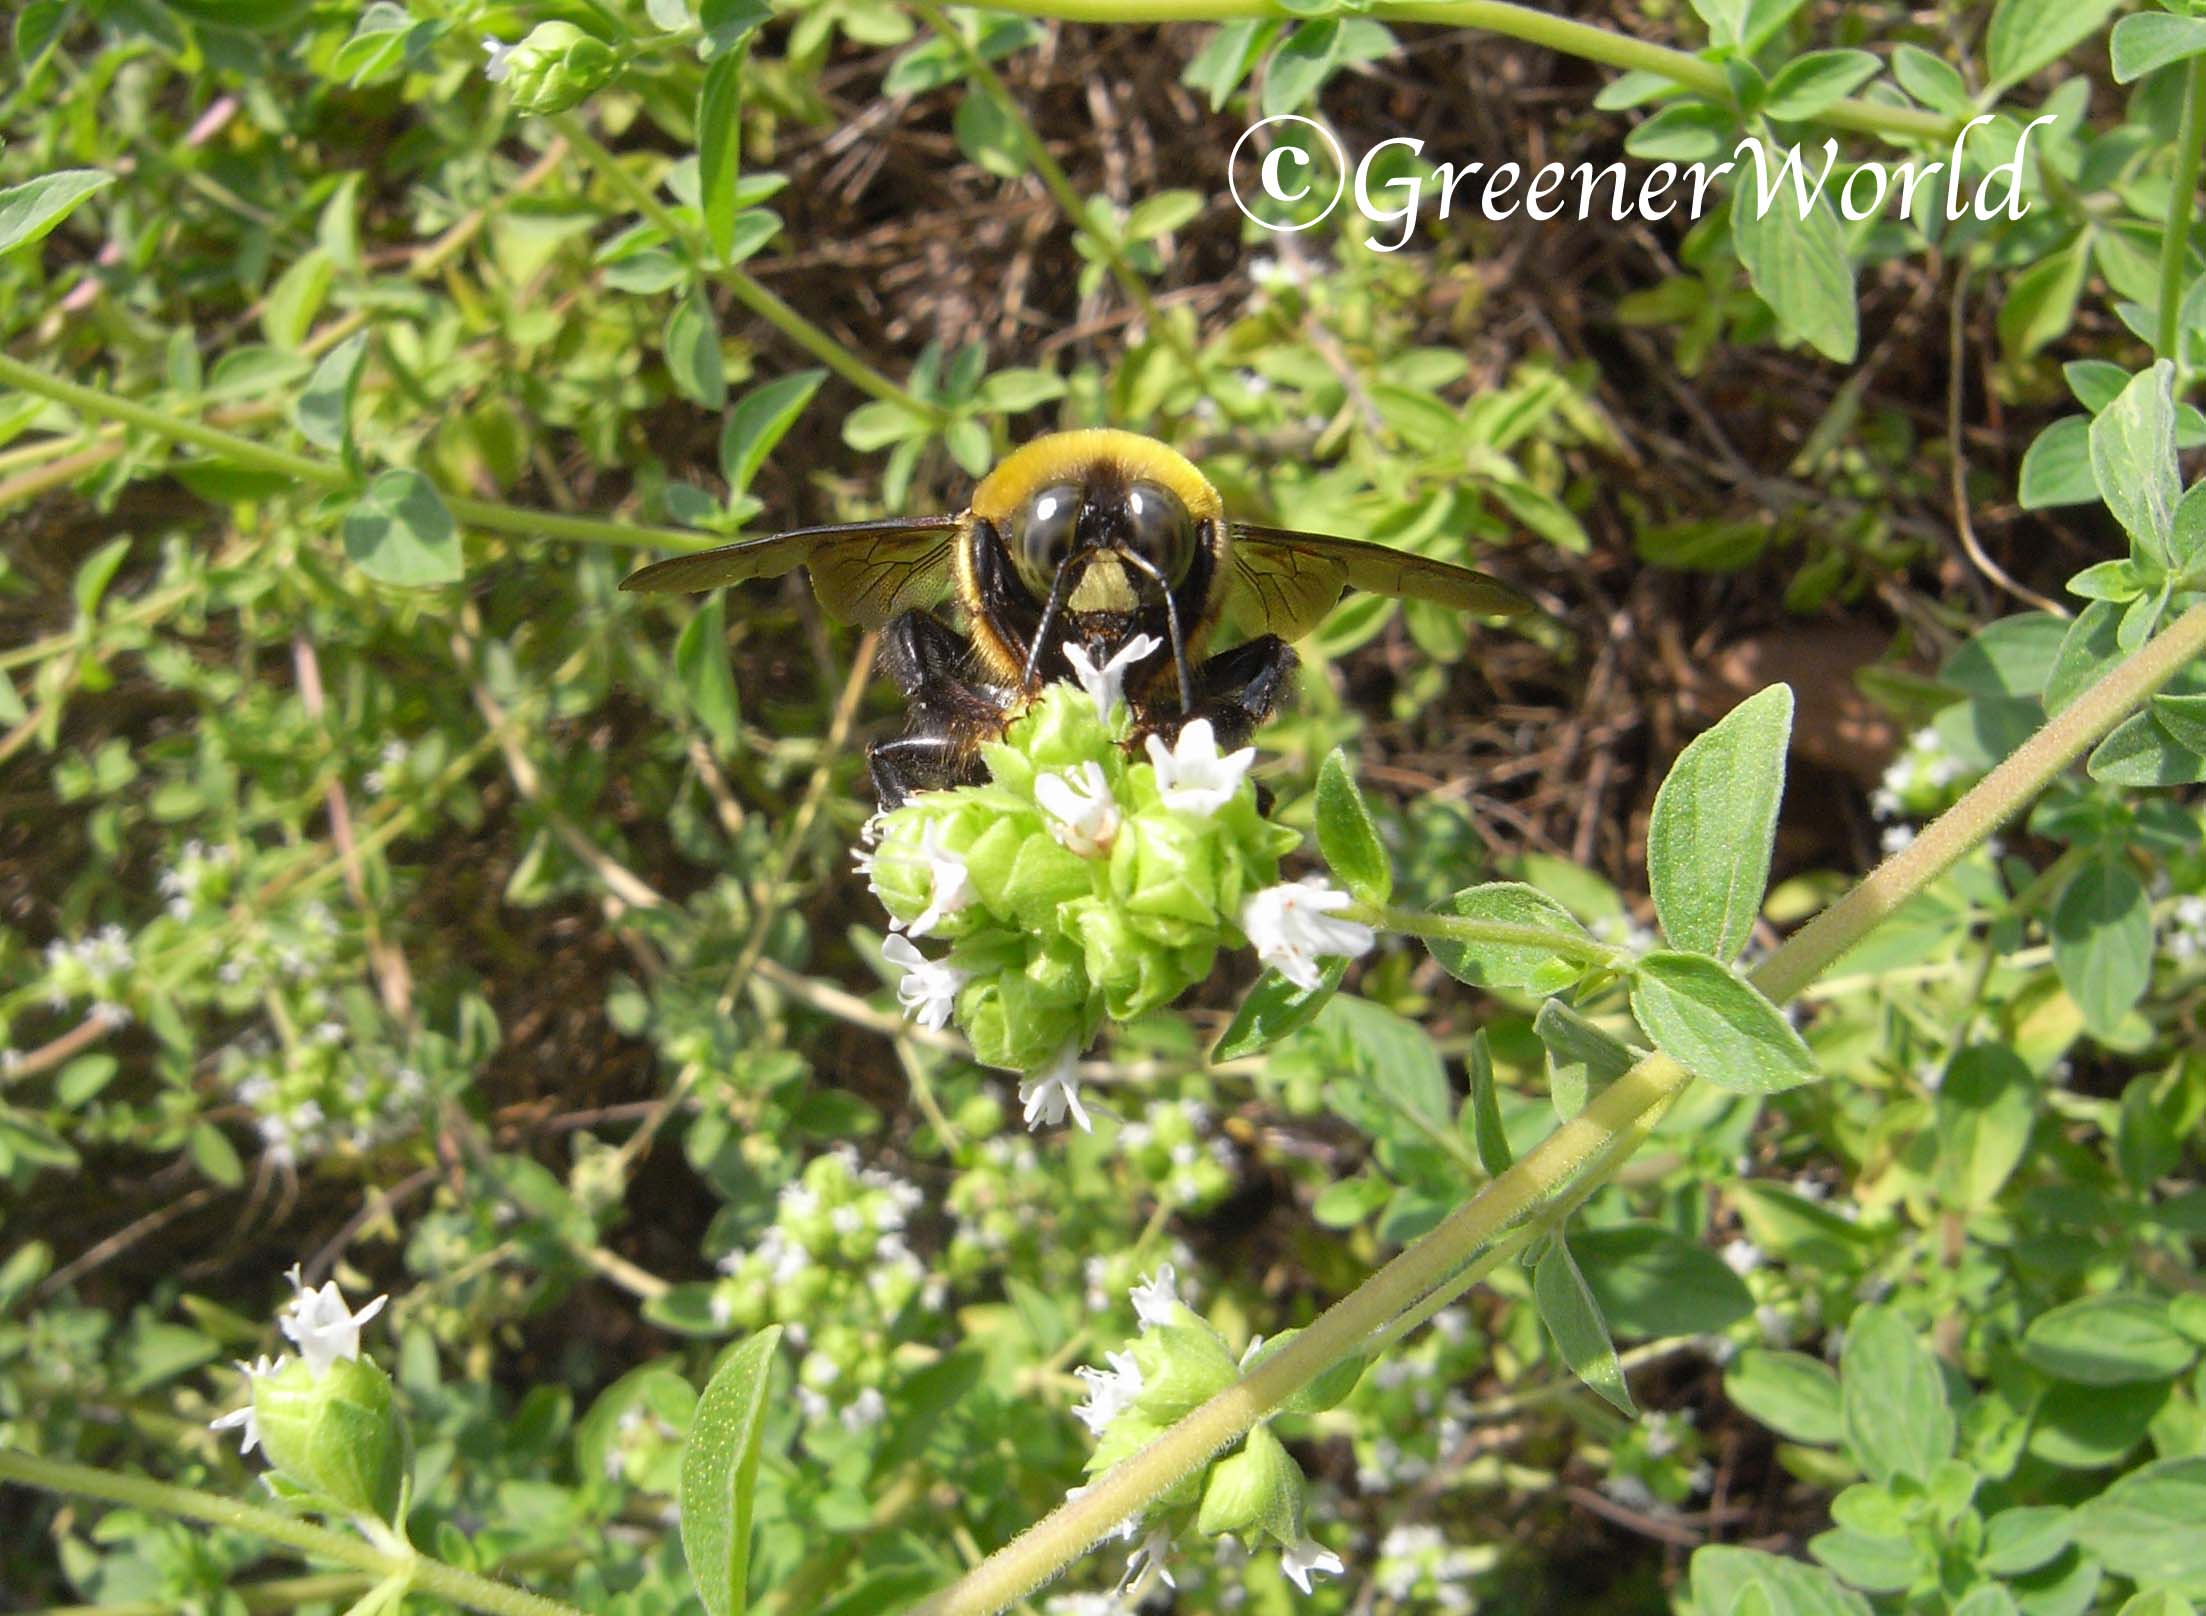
(1055, 939)
(556, 67)
(334, 1432)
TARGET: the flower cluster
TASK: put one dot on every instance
(1083, 883)
(1257, 1491)
(1918, 783)
(555, 67)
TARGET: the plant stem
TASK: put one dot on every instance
(1514, 22)
(239, 451)
(2175, 239)
(748, 291)
(1569, 1160)
(189, 1503)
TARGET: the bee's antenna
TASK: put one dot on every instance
(1142, 564)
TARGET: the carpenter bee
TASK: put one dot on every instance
(1089, 539)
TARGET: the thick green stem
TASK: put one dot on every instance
(2175, 239)
(747, 291)
(188, 1503)
(1568, 1160)
(1515, 22)
(1463, 929)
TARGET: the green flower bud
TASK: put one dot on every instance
(554, 68)
(1022, 1017)
(1258, 1489)
(335, 1433)
(1181, 1365)
(1320, 1394)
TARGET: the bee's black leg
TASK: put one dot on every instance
(917, 763)
(1237, 689)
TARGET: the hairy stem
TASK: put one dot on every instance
(2175, 239)
(1568, 1161)
(189, 1503)
(1463, 929)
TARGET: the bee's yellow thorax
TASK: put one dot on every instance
(1067, 457)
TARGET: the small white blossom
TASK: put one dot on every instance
(952, 884)
(1896, 838)
(1145, 1567)
(1082, 812)
(1742, 1256)
(497, 67)
(1306, 1559)
(1106, 686)
(865, 1411)
(1191, 775)
(1110, 1390)
(1054, 1093)
(321, 1326)
(1154, 1299)
(1290, 925)
(929, 990)
(243, 1418)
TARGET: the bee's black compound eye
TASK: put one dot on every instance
(1159, 529)
(1046, 525)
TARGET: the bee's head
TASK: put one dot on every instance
(1125, 513)
(1105, 514)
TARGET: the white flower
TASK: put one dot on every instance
(1082, 812)
(1191, 776)
(1110, 1390)
(1305, 1558)
(497, 67)
(1742, 1256)
(1154, 1299)
(1145, 1567)
(951, 886)
(1290, 925)
(321, 1326)
(929, 990)
(1896, 837)
(1106, 686)
(1052, 1094)
(243, 1417)
(865, 1411)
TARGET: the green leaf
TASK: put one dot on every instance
(1346, 834)
(2145, 751)
(1300, 67)
(2148, 40)
(295, 299)
(1893, 1398)
(1487, 1131)
(2102, 941)
(708, 686)
(2040, 304)
(2187, 536)
(1932, 81)
(1503, 965)
(1011, 391)
(2056, 468)
(1714, 820)
(1799, 267)
(1582, 1060)
(1985, 1111)
(2184, 717)
(1573, 1317)
(1729, 1582)
(1651, 1282)
(760, 419)
(2011, 657)
(883, 421)
(2108, 1340)
(1396, 1054)
(323, 410)
(1793, 1394)
(2133, 459)
(719, 149)
(2146, 1524)
(96, 572)
(398, 532)
(719, 1470)
(693, 351)
(1717, 1025)
(1877, 1565)
(2087, 650)
(2022, 1539)
(1275, 1007)
(1810, 83)
(2025, 35)
(28, 211)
